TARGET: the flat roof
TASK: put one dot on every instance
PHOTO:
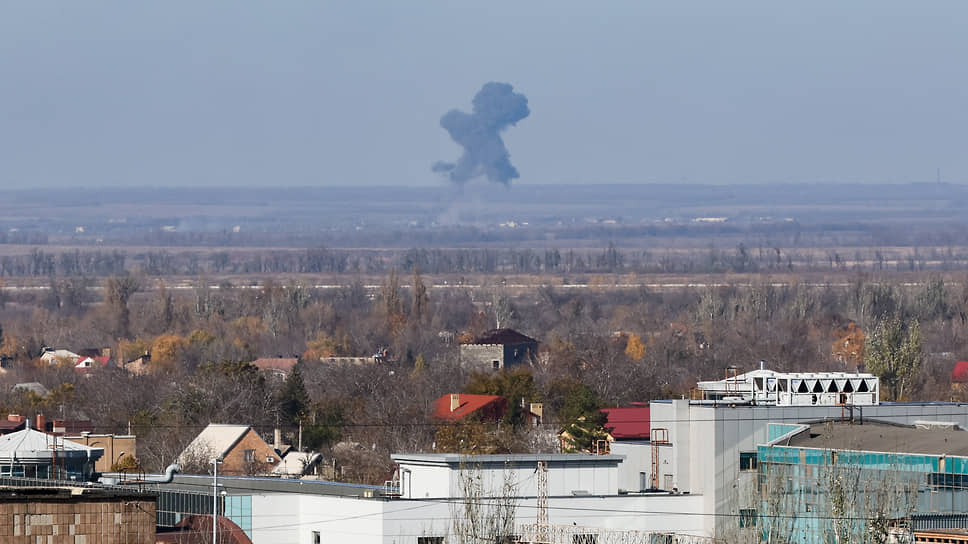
(872, 436)
(522, 458)
(867, 408)
(248, 485)
(69, 493)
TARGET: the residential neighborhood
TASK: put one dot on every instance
(740, 460)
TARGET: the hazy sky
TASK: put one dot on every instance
(345, 93)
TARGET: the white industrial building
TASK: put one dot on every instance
(692, 480)
(711, 448)
(434, 489)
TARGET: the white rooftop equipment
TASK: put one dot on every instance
(764, 386)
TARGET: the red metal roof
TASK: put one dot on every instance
(493, 405)
(960, 373)
(631, 423)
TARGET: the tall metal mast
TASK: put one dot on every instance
(542, 480)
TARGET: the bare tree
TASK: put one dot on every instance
(117, 293)
(479, 517)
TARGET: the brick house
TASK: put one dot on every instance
(116, 448)
(498, 349)
(241, 450)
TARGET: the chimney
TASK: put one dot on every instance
(277, 439)
(16, 417)
(454, 401)
(40, 423)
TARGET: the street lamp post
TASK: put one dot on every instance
(215, 463)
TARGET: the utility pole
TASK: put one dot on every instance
(542, 480)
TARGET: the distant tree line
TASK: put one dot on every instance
(608, 260)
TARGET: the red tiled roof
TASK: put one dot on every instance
(86, 363)
(285, 364)
(630, 423)
(468, 404)
(504, 336)
(83, 363)
(960, 373)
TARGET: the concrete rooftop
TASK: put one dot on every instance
(873, 436)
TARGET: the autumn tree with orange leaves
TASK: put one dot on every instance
(848, 345)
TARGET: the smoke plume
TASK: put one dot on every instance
(496, 107)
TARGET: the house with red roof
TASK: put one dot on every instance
(959, 374)
(628, 423)
(85, 364)
(459, 406)
(959, 379)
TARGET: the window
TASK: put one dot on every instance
(430, 540)
(747, 460)
(496, 364)
(747, 517)
(316, 537)
(249, 456)
(585, 538)
(945, 480)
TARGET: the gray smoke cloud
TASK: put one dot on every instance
(496, 107)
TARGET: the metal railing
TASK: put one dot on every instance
(574, 534)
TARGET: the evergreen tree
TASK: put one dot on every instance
(584, 423)
(324, 427)
(293, 399)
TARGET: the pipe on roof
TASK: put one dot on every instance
(166, 478)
